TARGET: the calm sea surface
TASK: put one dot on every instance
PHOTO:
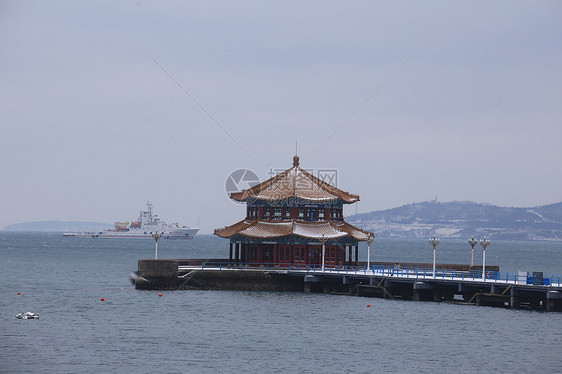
(63, 279)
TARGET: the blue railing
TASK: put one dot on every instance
(396, 271)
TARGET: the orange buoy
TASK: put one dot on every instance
(368, 305)
(102, 299)
(160, 294)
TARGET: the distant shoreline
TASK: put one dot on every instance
(57, 226)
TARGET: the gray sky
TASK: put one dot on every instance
(92, 127)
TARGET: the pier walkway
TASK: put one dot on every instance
(451, 283)
(491, 277)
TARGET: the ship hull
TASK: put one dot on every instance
(183, 235)
(132, 235)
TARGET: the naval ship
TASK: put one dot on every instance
(147, 225)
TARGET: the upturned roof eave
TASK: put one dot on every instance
(345, 196)
(342, 227)
(244, 196)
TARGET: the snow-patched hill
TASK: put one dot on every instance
(462, 220)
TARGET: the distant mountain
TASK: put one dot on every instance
(59, 226)
(462, 220)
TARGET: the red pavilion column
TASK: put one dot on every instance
(292, 254)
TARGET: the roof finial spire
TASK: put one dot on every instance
(296, 157)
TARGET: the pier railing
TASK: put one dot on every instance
(387, 271)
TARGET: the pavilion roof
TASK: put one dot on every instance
(294, 183)
(276, 229)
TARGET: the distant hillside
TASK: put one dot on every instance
(462, 220)
(59, 226)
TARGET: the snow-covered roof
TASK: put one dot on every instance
(275, 229)
(295, 183)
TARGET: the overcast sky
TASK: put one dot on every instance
(105, 105)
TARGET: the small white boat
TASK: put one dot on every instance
(27, 315)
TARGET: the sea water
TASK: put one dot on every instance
(64, 279)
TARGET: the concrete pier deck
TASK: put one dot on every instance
(450, 283)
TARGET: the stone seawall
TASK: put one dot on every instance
(156, 275)
(163, 275)
(247, 280)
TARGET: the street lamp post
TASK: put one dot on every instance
(434, 242)
(484, 243)
(156, 236)
(472, 243)
(370, 238)
(323, 240)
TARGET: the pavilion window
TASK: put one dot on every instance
(252, 213)
(301, 214)
(287, 213)
(266, 214)
(321, 214)
(296, 254)
(277, 213)
(336, 214)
